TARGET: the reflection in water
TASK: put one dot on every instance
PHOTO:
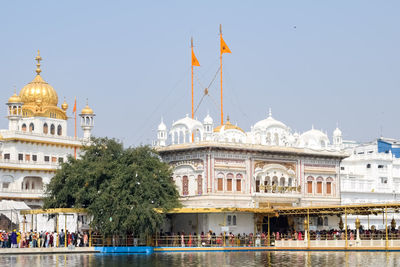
(219, 259)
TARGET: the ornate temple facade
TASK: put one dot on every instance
(269, 166)
(36, 143)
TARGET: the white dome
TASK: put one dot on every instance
(268, 123)
(208, 120)
(337, 132)
(313, 139)
(162, 126)
(189, 123)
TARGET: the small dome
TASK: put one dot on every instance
(313, 139)
(268, 123)
(208, 120)
(337, 132)
(87, 110)
(227, 126)
(14, 99)
(189, 123)
(64, 105)
(162, 126)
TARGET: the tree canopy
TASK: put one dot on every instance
(119, 187)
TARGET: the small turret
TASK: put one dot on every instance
(337, 138)
(208, 127)
(14, 112)
(87, 122)
(161, 134)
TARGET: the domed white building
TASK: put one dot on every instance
(35, 144)
(223, 166)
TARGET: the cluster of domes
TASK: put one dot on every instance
(268, 131)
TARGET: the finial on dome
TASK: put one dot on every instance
(227, 118)
(270, 112)
(38, 58)
(312, 126)
(64, 105)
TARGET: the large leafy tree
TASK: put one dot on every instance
(119, 187)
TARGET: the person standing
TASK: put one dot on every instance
(14, 239)
(55, 239)
(85, 239)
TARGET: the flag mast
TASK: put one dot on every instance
(220, 61)
(223, 49)
(191, 46)
(74, 110)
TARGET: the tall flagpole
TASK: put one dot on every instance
(75, 128)
(191, 46)
(220, 61)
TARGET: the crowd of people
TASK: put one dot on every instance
(208, 239)
(32, 239)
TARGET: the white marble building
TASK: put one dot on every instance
(268, 166)
(371, 175)
(35, 143)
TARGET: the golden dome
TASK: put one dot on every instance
(38, 91)
(39, 98)
(14, 99)
(64, 105)
(227, 126)
(87, 110)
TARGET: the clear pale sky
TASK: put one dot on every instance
(313, 62)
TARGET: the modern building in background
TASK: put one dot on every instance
(371, 174)
(33, 146)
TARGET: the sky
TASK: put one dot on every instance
(320, 63)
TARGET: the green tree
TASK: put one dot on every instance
(120, 187)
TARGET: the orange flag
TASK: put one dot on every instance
(74, 110)
(195, 62)
(224, 47)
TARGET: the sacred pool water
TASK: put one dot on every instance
(219, 259)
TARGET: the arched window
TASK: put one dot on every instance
(276, 139)
(258, 184)
(282, 181)
(239, 178)
(185, 186)
(199, 185)
(52, 129)
(290, 181)
(45, 128)
(329, 182)
(229, 179)
(31, 127)
(59, 130)
(310, 180)
(24, 127)
(322, 143)
(220, 182)
(266, 183)
(319, 185)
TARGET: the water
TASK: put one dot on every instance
(219, 259)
